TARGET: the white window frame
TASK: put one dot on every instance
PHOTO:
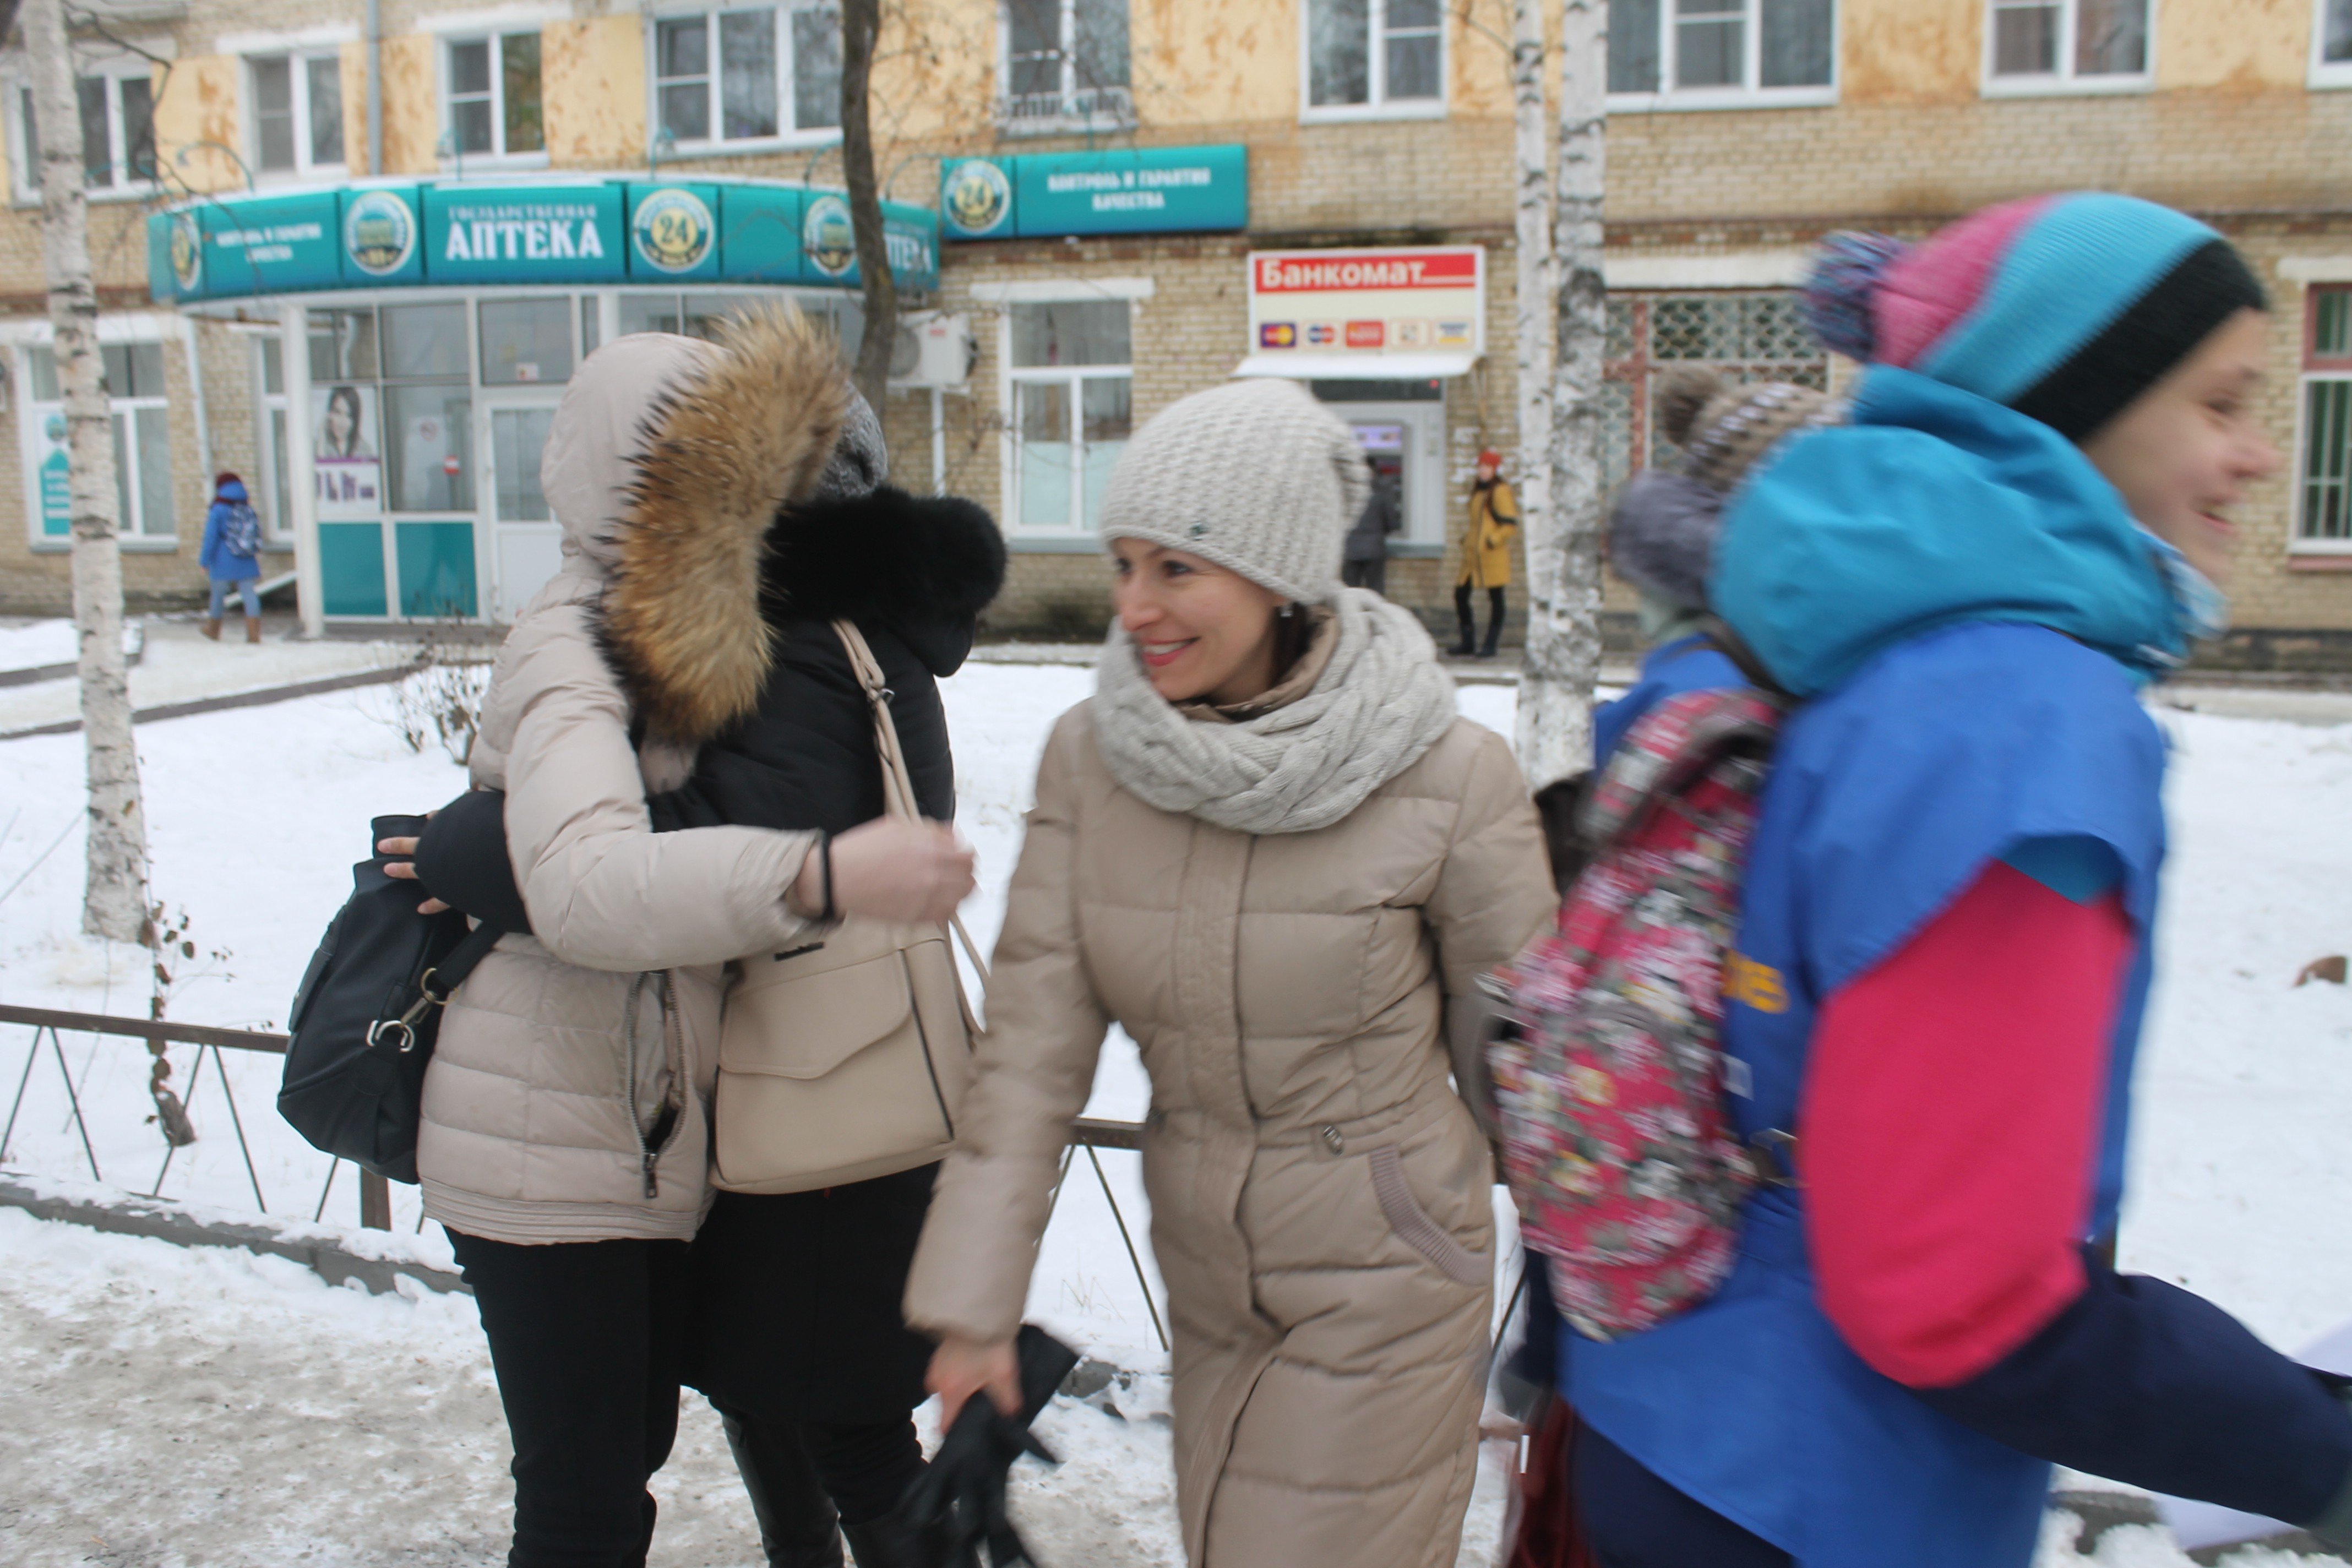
(1113, 108)
(2326, 73)
(113, 71)
(2334, 273)
(2063, 82)
(1377, 105)
(1747, 95)
(787, 106)
(999, 298)
(298, 72)
(117, 331)
(495, 36)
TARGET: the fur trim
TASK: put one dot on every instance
(884, 557)
(720, 456)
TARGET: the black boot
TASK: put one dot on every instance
(798, 1528)
(888, 1541)
(1493, 623)
(1467, 642)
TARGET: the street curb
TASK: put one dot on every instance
(383, 676)
(314, 1247)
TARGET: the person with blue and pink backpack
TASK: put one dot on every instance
(1930, 1007)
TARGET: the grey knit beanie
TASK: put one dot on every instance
(1254, 475)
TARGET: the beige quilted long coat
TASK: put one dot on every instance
(1319, 1194)
(567, 1097)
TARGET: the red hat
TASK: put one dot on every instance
(1491, 458)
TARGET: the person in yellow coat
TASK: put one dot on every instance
(1485, 555)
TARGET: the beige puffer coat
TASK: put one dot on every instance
(567, 1051)
(1320, 1200)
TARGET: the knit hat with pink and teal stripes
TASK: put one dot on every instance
(2065, 308)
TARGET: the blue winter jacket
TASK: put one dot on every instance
(1967, 608)
(215, 558)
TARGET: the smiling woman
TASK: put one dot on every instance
(1290, 853)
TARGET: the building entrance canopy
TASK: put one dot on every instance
(610, 230)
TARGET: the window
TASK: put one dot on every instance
(1066, 65)
(118, 132)
(2037, 44)
(494, 104)
(297, 113)
(2324, 504)
(1745, 336)
(748, 76)
(138, 400)
(1700, 53)
(1072, 409)
(1374, 57)
(2331, 43)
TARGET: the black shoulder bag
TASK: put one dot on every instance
(368, 1012)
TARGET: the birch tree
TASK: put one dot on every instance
(861, 28)
(114, 901)
(1563, 546)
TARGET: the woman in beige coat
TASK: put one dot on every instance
(1271, 851)
(564, 1142)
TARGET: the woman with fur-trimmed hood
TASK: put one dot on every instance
(564, 1142)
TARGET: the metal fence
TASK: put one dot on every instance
(375, 1193)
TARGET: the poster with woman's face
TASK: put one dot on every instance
(348, 470)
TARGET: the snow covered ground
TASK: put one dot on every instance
(216, 1408)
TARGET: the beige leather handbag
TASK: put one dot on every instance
(845, 1057)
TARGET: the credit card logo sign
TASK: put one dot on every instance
(1411, 334)
(1322, 334)
(1277, 335)
(1455, 335)
(1367, 335)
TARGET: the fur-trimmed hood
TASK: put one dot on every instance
(923, 565)
(751, 501)
(716, 453)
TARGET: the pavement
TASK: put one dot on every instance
(180, 666)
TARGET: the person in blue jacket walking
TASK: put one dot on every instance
(231, 555)
(1943, 950)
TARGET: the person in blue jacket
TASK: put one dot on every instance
(1944, 950)
(1661, 531)
(231, 555)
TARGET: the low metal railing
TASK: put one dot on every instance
(1088, 1133)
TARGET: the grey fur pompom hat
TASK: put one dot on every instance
(1254, 475)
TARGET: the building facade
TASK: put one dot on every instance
(1098, 176)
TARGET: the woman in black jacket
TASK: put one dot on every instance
(796, 1334)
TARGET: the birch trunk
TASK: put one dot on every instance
(114, 902)
(1534, 322)
(1563, 653)
(861, 28)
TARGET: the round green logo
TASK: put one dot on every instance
(379, 232)
(673, 230)
(827, 237)
(187, 253)
(978, 197)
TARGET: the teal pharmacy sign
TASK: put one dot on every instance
(557, 232)
(1127, 190)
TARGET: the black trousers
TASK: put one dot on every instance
(588, 1339)
(1634, 1519)
(1372, 574)
(1462, 591)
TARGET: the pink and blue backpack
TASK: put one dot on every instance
(1616, 1143)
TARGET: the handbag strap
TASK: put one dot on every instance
(897, 782)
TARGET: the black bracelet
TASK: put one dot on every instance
(824, 863)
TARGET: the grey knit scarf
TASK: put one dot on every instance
(1382, 701)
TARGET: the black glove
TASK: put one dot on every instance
(958, 1502)
(461, 860)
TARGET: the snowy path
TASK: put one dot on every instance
(166, 1409)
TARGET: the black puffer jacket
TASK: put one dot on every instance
(913, 574)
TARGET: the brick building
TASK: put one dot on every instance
(1739, 132)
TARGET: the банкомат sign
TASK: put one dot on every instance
(1129, 190)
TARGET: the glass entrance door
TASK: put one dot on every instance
(526, 541)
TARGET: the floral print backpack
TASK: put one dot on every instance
(1616, 1143)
